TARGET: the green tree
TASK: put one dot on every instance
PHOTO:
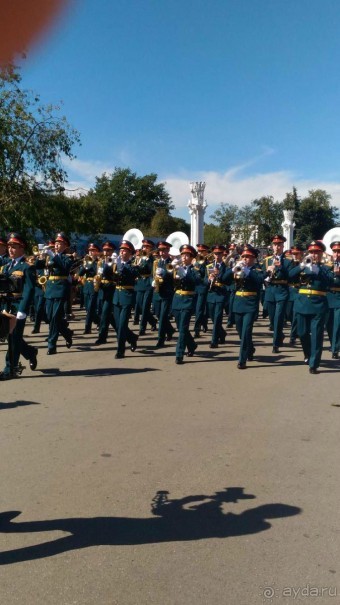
(315, 216)
(129, 200)
(226, 218)
(267, 216)
(163, 224)
(33, 140)
(213, 234)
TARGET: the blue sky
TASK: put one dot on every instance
(244, 94)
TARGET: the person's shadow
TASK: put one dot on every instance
(190, 518)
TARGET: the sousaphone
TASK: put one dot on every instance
(333, 235)
(177, 239)
(135, 236)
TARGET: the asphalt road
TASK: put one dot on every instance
(137, 481)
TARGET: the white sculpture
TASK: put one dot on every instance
(288, 228)
(197, 207)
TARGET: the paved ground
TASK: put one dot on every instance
(141, 482)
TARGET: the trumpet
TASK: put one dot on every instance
(238, 270)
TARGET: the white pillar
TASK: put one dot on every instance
(288, 228)
(197, 207)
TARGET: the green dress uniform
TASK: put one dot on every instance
(123, 301)
(106, 292)
(276, 295)
(248, 286)
(201, 310)
(333, 320)
(144, 292)
(311, 308)
(183, 306)
(56, 294)
(162, 298)
(39, 300)
(23, 275)
(87, 274)
(216, 300)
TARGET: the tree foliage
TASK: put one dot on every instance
(33, 140)
(314, 216)
(129, 200)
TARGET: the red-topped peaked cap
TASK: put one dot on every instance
(187, 249)
(126, 245)
(317, 246)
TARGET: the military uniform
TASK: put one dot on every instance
(87, 274)
(201, 289)
(56, 294)
(183, 304)
(106, 292)
(163, 283)
(277, 293)
(220, 275)
(248, 284)
(18, 303)
(143, 288)
(123, 299)
(311, 305)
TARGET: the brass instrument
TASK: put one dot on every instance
(42, 280)
(98, 277)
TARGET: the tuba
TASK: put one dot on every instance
(176, 240)
(333, 235)
(135, 236)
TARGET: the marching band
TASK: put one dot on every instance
(152, 284)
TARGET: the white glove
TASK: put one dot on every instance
(160, 272)
(175, 262)
(181, 272)
(153, 283)
(21, 315)
(315, 269)
(49, 253)
(246, 271)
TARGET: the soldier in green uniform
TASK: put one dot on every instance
(311, 303)
(183, 303)
(87, 275)
(57, 290)
(248, 277)
(163, 283)
(296, 253)
(333, 298)
(22, 275)
(143, 287)
(217, 276)
(124, 297)
(106, 286)
(276, 268)
(201, 310)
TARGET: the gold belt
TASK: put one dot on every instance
(106, 281)
(90, 279)
(218, 284)
(125, 287)
(56, 277)
(16, 295)
(238, 293)
(335, 289)
(313, 292)
(185, 292)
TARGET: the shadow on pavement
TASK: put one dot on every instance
(17, 404)
(196, 517)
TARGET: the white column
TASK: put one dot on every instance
(288, 228)
(197, 207)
